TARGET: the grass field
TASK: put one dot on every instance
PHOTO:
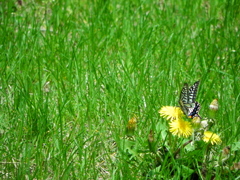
(75, 76)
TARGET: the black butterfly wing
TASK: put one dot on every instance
(184, 98)
(192, 92)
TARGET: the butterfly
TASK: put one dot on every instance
(187, 100)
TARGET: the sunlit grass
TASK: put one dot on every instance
(74, 72)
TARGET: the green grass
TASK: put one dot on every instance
(72, 73)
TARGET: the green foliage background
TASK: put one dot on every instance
(72, 73)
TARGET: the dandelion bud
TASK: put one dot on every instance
(213, 108)
(204, 124)
(131, 126)
(151, 137)
(225, 153)
(151, 142)
(196, 122)
(207, 123)
(214, 105)
(236, 166)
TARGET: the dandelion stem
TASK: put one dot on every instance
(177, 151)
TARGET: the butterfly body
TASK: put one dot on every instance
(194, 111)
(188, 102)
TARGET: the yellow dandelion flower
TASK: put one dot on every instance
(132, 123)
(180, 127)
(170, 112)
(211, 137)
(131, 126)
